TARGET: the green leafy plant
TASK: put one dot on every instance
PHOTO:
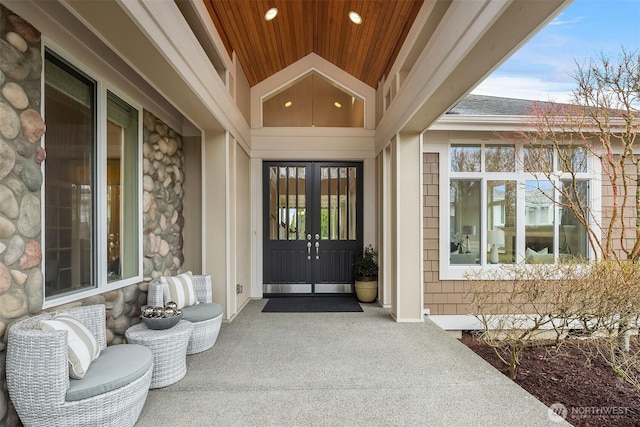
(366, 265)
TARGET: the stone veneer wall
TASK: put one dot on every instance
(21, 129)
(163, 177)
(21, 153)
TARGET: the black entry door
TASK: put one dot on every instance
(312, 226)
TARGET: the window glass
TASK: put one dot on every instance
(537, 159)
(500, 158)
(92, 202)
(552, 233)
(539, 216)
(313, 101)
(572, 233)
(464, 221)
(122, 190)
(501, 221)
(465, 158)
(572, 159)
(70, 141)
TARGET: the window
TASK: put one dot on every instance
(91, 217)
(503, 210)
(313, 101)
(122, 191)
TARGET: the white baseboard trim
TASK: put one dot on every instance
(456, 322)
(462, 322)
(404, 320)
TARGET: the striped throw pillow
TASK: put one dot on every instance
(180, 289)
(83, 346)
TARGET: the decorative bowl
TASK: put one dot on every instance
(161, 322)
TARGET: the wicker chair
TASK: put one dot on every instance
(205, 330)
(38, 380)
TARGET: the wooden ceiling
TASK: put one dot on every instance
(366, 51)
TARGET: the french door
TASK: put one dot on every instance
(312, 226)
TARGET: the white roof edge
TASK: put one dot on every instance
(485, 123)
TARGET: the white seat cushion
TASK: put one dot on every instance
(202, 312)
(117, 366)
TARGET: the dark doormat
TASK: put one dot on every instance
(313, 304)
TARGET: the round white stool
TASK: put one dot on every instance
(169, 348)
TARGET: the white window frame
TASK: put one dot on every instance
(102, 87)
(449, 271)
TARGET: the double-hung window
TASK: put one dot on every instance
(504, 207)
(91, 236)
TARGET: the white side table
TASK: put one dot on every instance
(169, 348)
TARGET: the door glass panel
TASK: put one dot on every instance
(334, 204)
(292, 208)
(344, 206)
(338, 197)
(273, 203)
(287, 203)
(301, 211)
(352, 203)
(324, 203)
(282, 204)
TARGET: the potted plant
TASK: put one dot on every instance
(366, 272)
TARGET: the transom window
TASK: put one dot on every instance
(313, 101)
(504, 210)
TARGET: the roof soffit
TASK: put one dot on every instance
(366, 51)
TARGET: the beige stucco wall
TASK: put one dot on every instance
(192, 232)
(243, 230)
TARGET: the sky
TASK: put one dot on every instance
(542, 69)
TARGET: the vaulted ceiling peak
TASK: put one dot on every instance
(264, 47)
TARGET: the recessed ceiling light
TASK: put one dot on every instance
(271, 13)
(288, 104)
(355, 17)
(337, 104)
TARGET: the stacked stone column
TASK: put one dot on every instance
(21, 153)
(163, 178)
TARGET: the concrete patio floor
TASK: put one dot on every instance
(339, 369)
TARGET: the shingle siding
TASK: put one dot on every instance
(446, 296)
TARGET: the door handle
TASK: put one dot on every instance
(317, 248)
(309, 250)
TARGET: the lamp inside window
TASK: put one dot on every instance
(495, 238)
(468, 230)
